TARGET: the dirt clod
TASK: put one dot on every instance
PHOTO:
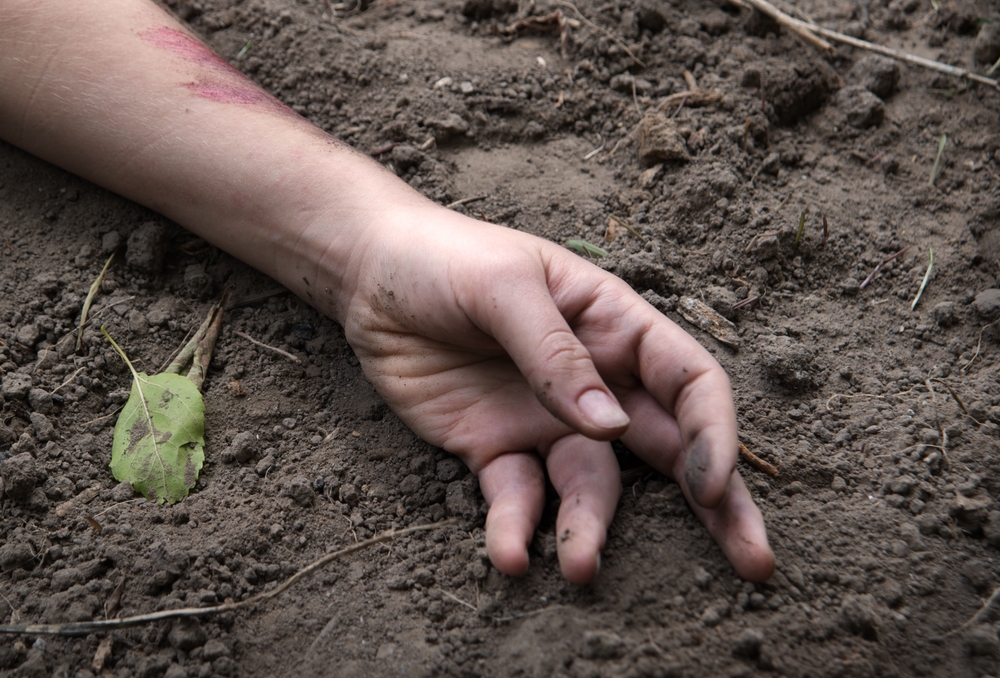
(660, 140)
(878, 74)
(21, 474)
(147, 248)
(602, 645)
(862, 108)
(789, 362)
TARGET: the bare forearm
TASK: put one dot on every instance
(124, 96)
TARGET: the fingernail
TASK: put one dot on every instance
(601, 410)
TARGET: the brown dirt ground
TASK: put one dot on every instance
(883, 514)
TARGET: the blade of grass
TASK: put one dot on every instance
(90, 300)
(802, 228)
(243, 52)
(927, 276)
(584, 247)
(994, 67)
(937, 161)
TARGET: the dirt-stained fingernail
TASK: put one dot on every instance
(697, 468)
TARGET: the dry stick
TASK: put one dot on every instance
(882, 263)
(797, 26)
(598, 28)
(67, 382)
(937, 420)
(460, 601)
(757, 462)
(978, 346)
(253, 341)
(955, 396)
(809, 32)
(987, 613)
(904, 56)
(465, 201)
(83, 628)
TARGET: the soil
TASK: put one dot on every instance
(882, 420)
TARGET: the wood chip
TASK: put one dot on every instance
(103, 652)
(756, 461)
(84, 497)
(704, 317)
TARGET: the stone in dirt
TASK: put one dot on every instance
(300, 490)
(21, 474)
(859, 615)
(986, 304)
(17, 384)
(660, 140)
(747, 645)
(187, 634)
(862, 108)
(878, 74)
(602, 645)
(987, 49)
(147, 248)
(14, 555)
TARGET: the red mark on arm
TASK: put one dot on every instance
(222, 83)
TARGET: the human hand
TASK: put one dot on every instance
(508, 350)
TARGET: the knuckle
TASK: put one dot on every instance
(561, 351)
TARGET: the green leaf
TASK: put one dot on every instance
(584, 247)
(159, 444)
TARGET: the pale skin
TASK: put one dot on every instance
(502, 348)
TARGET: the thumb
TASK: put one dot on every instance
(524, 319)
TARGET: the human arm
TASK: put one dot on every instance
(497, 346)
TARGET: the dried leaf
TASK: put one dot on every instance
(704, 317)
(614, 228)
(159, 443)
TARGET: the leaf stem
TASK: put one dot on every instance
(96, 285)
(120, 353)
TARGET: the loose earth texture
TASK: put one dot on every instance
(882, 421)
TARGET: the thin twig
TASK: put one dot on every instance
(942, 142)
(987, 613)
(460, 601)
(937, 420)
(810, 31)
(882, 263)
(954, 395)
(978, 346)
(596, 150)
(745, 302)
(757, 462)
(797, 26)
(465, 201)
(83, 628)
(285, 354)
(68, 381)
(596, 27)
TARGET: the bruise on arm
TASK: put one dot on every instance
(218, 81)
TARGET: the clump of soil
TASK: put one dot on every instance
(883, 421)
